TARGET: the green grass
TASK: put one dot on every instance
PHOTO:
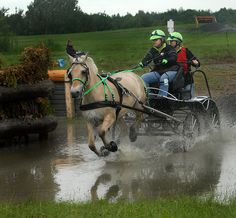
(163, 208)
(121, 49)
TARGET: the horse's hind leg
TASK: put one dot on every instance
(133, 129)
(91, 141)
(107, 123)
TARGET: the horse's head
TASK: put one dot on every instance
(80, 71)
(79, 74)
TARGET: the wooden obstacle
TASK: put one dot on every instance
(20, 113)
(24, 91)
(205, 19)
(63, 103)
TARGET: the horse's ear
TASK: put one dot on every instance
(86, 56)
(71, 58)
(70, 49)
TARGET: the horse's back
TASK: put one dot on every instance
(133, 83)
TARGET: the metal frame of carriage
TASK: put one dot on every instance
(177, 114)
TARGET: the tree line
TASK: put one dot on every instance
(60, 16)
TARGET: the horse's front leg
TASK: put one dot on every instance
(107, 123)
(91, 141)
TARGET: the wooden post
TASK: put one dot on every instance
(70, 135)
(69, 103)
(170, 26)
(196, 20)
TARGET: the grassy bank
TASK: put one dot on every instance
(179, 207)
(123, 48)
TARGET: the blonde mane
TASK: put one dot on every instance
(90, 63)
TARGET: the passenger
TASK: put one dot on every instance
(164, 58)
(185, 58)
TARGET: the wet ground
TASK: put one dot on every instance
(63, 168)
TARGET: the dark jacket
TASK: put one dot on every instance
(156, 56)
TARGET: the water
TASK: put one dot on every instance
(64, 169)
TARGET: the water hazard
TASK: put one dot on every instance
(64, 169)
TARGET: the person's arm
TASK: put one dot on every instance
(148, 57)
(192, 59)
(170, 57)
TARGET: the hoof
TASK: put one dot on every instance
(113, 146)
(104, 151)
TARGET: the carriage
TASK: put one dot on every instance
(177, 114)
(106, 99)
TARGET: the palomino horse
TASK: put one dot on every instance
(101, 100)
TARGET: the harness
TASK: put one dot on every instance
(114, 104)
(103, 80)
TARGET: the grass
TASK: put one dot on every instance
(120, 49)
(173, 207)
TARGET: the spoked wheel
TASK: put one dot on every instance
(191, 126)
(213, 117)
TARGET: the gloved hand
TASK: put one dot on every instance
(164, 61)
(141, 65)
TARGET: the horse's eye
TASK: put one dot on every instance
(69, 74)
(84, 71)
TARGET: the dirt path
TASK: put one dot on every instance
(227, 108)
(222, 81)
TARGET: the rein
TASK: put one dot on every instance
(82, 81)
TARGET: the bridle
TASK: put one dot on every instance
(86, 71)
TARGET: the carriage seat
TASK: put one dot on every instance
(178, 87)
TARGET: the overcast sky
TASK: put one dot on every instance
(123, 7)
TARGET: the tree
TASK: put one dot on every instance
(51, 16)
(5, 34)
(17, 22)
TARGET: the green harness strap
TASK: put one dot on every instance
(95, 85)
(106, 86)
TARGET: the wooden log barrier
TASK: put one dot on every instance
(17, 127)
(21, 113)
(61, 76)
(25, 91)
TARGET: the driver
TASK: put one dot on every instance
(164, 58)
(185, 58)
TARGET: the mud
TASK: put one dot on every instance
(217, 27)
(227, 108)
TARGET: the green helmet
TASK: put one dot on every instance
(157, 34)
(175, 36)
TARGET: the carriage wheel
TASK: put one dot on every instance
(191, 126)
(213, 118)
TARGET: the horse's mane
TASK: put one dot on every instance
(90, 63)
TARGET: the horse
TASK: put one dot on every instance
(102, 99)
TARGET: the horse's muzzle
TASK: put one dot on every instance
(76, 92)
